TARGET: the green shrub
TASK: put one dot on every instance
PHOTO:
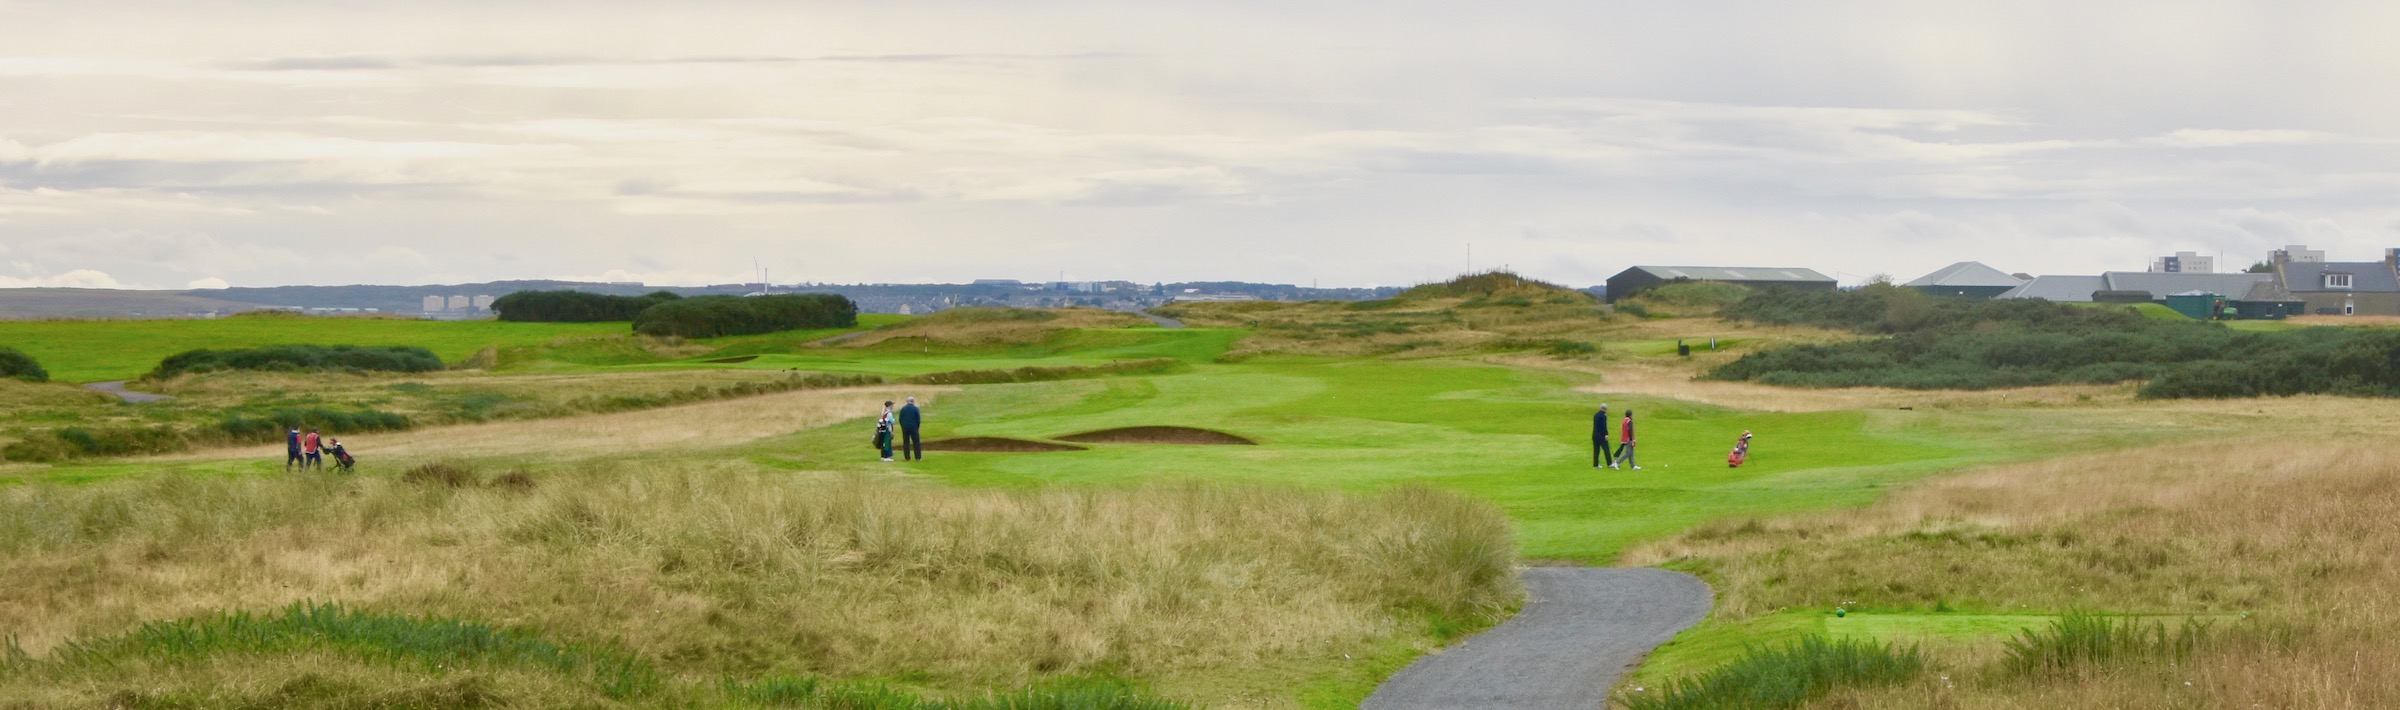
(575, 306)
(1694, 294)
(719, 316)
(1785, 676)
(1632, 308)
(393, 358)
(2080, 640)
(21, 366)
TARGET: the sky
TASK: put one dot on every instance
(203, 144)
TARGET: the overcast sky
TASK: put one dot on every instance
(161, 145)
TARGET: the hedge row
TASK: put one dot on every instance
(719, 316)
(301, 357)
(575, 306)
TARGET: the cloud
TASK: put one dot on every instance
(207, 283)
(78, 278)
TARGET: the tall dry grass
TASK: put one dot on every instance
(720, 571)
(2288, 540)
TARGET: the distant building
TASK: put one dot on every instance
(2296, 254)
(2184, 262)
(2341, 287)
(460, 303)
(484, 303)
(433, 304)
(1633, 281)
(2136, 286)
(1968, 279)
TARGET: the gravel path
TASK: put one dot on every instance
(1582, 627)
(131, 397)
(1162, 321)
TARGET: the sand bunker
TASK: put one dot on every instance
(1159, 435)
(995, 444)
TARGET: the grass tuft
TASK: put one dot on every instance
(1785, 676)
(2081, 640)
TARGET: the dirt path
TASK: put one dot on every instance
(1162, 321)
(1581, 629)
(691, 426)
(131, 397)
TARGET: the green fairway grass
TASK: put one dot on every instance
(101, 350)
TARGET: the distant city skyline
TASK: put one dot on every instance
(1341, 144)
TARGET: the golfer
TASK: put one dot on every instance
(883, 431)
(912, 448)
(291, 450)
(1601, 456)
(312, 446)
(1625, 449)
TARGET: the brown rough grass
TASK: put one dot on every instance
(714, 570)
(2296, 532)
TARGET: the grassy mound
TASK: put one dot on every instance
(1496, 286)
(984, 329)
(1158, 435)
(997, 444)
(642, 577)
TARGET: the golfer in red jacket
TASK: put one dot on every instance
(1625, 444)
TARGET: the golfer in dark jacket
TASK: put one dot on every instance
(291, 449)
(1601, 456)
(911, 447)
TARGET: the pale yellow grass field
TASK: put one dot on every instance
(2295, 531)
(693, 426)
(717, 570)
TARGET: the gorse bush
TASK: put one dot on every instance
(575, 306)
(1939, 343)
(391, 358)
(21, 366)
(719, 316)
(1785, 676)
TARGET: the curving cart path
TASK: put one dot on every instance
(131, 397)
(1581, 629)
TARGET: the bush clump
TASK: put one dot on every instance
(391, 358)
(21, 366)
(575, 306)
(81, 442)
(1937, 343)
(719, 316)
(1786, 676)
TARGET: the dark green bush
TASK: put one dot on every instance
(575, 306)
(21, 366)
(393, 358)
(719, 316)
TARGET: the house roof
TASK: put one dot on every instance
(2365, 277)
(1736, 273)
(1966, 273)
(2064, 289)
(2161, 284)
